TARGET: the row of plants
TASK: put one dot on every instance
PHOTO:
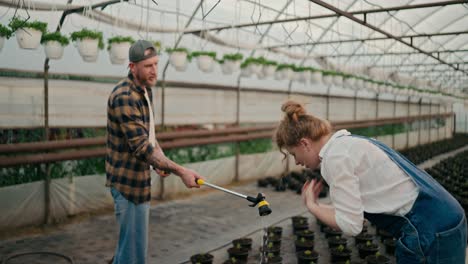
(31, 34)
(305, 238)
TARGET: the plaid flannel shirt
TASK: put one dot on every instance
(128, 145)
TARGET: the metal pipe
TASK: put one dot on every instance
(225, 190)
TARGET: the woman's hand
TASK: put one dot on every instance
(310, 192)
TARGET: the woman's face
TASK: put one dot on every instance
(306, 153)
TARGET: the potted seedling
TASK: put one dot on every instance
(205, 60)
(238, 252)
(276, 240)
(299, 219)
(271, 248)
(231, 63)
(54, 44)
(178, 58)
(307, 257)
(89, 43)
(377, 258)
(202, 258)
(234, 261)
(306, 233)
(277, 230)
(245, 242)
(337, 241)
(28, 34)
(5, 33)
(304, 244)
(300, 225)
(340, 253)
(363, 238)
(367, 249)
(330, 232)
(118, 47)
(272, 259)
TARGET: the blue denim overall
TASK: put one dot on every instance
(434, 230)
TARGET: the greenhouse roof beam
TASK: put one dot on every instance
(362, 22)
(360, 12)
(416, 64)
(368, 39)
(429, 53)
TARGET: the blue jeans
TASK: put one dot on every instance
(133, 230)
(449, 247)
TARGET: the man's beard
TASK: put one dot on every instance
(145, 82)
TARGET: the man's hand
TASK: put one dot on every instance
(188, 178)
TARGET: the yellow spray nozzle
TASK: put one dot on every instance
(200, 181)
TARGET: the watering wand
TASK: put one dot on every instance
(263, 208)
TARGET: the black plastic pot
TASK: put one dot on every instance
(262, 183)
(274, 250)
(244, 242)
(306, 234)
(234, 261)
(277, 230)
(306, 257)
(367, 249)
(362, 238)
(337, 241)
(238, 253)
(274, 260)
(373, 259)
(383, 234)
(340, 254)
(330, 232)
(390, 244)
(303, 245)
(274, 239)
(202, 258)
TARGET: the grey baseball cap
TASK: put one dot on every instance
(136, 52)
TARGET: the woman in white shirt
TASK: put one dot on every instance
(369, 180)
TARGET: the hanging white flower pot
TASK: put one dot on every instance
(316, 77)
(205, 63)
(296, 76)
(118, 52)
(304, 76)
(268, 70)
(261, 75)
(327, 79)
(255, 68)
(288, 74)
(279, 75)
(349, 82)
(2, 42)
(178, 59)
(368, 85)
(88, 49)
(338, 80)
(28, 38)
(230, 66)
(359, 84)
(246, 72)
(53, 50)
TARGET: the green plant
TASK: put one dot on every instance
(285, 66)
(171, 50)
(238, 246)
(341, 248)
(233, 57)
(119, 39)
(5, 32)
(270, 245)
(86, 33)
(307, 252)
(203, 53)
(368, 243)
(55, 36)
(17, 23)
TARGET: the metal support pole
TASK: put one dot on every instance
(430, 120)
(419, 122)
(393, 125)
(409, 124)
(376, 110)
(355, 105)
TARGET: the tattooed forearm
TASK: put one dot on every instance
(160, 161)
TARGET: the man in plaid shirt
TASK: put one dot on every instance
(131, 149)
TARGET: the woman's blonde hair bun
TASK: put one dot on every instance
(293, 110)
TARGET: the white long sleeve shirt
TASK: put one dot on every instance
(363, 178)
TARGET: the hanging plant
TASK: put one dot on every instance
(205, 60)
(301, 74)
(315, 75)
(157, 45)
(5, 33)
(230, 62)
(328, 77)
(54, 44)
(178, 58)
(254, 65)
(284, 71)
(118, 47)
(268, 67)
(28, 34)
(348, 81)
(88, 43)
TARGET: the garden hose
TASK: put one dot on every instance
(263, 205)
(67, 258)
